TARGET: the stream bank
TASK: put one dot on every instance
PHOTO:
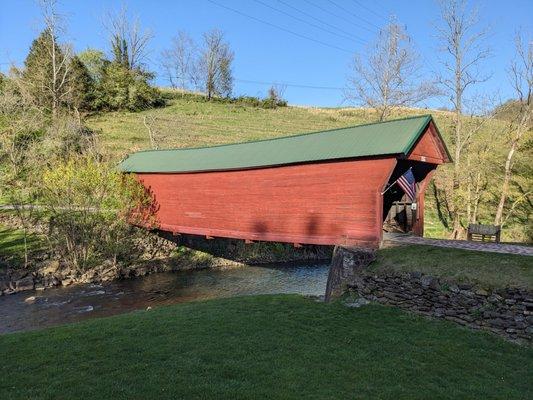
(59, 305)
(167, 254)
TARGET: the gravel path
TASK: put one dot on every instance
(461, 244)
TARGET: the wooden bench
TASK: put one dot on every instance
(480, 231)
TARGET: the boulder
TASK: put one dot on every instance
(24, 284)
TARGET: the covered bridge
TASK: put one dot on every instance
(315, 188)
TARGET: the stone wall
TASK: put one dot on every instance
(507, 312)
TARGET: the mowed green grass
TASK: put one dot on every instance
(489, 270)
(12, 245)
(263, 347)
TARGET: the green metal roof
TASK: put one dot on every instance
(384, 138)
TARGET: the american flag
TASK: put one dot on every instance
(408, 184)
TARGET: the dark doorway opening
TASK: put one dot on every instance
(400, 213)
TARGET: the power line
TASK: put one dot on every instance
(281, 28)
(290, 84)
(354, 15)
(317, 19)
(339, 16)
(310, 23)
(370, 10)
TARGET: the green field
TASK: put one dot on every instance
(263, 347)
(193, 123)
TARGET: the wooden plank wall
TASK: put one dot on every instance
(319, 203)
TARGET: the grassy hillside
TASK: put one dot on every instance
(190, 122)
(265, 347)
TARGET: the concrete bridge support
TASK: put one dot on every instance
(346, 266)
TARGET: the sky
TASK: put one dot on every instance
(306, 44)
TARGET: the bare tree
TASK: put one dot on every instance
(214, 66)
(521, 77)
(464, 47)
(276, 92)
(388, 75)
(180, 62)
(129, 42)
(55, 83)
(149, 122)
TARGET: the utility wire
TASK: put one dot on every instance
(339, 16)
(370, 10)
(309, 23)
(281, 28)
(317, 19)
(290, 84)
(353, 15)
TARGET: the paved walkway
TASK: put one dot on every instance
(460, 244)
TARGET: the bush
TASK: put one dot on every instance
(91, 208)
(123, 89)
(250, 101)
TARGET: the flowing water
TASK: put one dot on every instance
(75, 303)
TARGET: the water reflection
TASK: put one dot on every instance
(63, 305)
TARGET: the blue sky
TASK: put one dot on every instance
(269, 54)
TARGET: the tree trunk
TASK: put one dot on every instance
(456, 220)
(520, 130)
(506, 180)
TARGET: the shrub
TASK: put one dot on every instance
(123, 89)
(90, 208)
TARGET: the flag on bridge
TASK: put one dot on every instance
(408, 184)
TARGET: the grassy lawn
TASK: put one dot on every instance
(276, 347)
(12, 245)
(492, 270)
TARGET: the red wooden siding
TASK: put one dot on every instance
(320, 203)
(429, 148)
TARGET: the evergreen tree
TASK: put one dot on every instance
(38, 70)
(81, 88)
(120, 51)
(47, 72)
(94, 60)
(123, 89)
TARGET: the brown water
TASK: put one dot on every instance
(75, 303)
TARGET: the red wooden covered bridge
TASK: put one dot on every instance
(315, 188)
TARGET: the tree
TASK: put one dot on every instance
(81, 86)
(464, 48)
(46, 72)
(215, 65)
(388, 75)
(94, 60)
(47, 67)
(180, 62)
(521, 77)
(128, 41)
(123, 89)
